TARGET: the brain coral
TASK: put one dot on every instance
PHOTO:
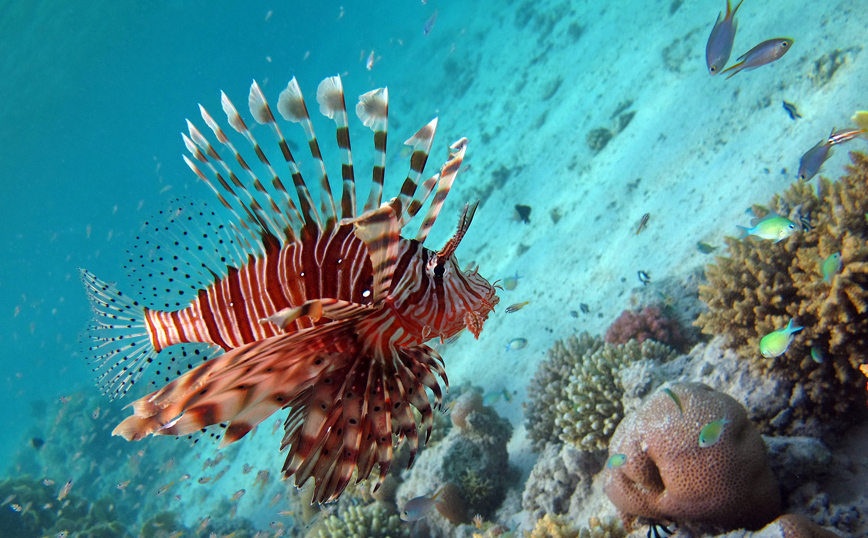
(668, 476)
(575, 396)
(761, 285)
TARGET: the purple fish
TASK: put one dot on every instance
(719, 46)
(813, 160)
(764, 53)
(429, 24)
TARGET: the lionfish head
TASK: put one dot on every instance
(467, 297)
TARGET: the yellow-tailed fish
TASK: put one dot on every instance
(516, 344)
(516, 307)
(507, 396)
(813, 160)
(711, 432)
(764, 53)
(719, 46)
(831, 266)
(845, 135)
(817, 355)
(773, 227)
(417, 508)
(776, 342)
(674, 399)
(616, 460)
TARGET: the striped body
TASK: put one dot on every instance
(324, 316)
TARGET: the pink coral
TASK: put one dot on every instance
(668, 476)
(648, 323)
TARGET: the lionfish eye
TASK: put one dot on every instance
(439, 270)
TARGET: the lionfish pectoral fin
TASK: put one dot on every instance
(315, 309)
(380, 230)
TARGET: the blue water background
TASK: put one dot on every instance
(94, 100)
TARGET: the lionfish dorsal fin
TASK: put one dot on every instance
(447, 176)
(380, 231)
(330, 96)
(267, 220)
(421, 144)
(373, 110)
(291, 106)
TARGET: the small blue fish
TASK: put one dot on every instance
(772, 227)
(711, 433)
(777, 342)
(516, 344)
(429, 24)
(719, 46)
(764, 53)
(831, 266)
(817, 355)
(616, 460)
(813, 160)
(417, 508)
(792, 110)
(674, 396)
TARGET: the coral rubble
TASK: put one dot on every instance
(761, 285)
(668, 476)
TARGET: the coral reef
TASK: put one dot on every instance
(649, 323)
(554, 526)
(761, 285)
(560, 481)
(669, 476)
(575, 396)
(472, 464)
(546, 387)
(371, 521)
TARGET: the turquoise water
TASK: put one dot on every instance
(94, 97)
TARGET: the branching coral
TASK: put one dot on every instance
(372, 521)
(649, 323)
(762, 285)
(546, 387)
(575, 396)
(554, 526)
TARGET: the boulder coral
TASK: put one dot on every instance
(761, 285)
(649, 323)
(667, 476)
(575, 396)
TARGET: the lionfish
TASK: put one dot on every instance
(324, 316)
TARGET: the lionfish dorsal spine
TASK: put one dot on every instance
(262, 113)
(330, 96)
(292, 107)
(447, 176)
(200, 147)
(420, 143)
(373, 110)
(289, 215)
(380, 230)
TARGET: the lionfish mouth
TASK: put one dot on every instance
(474, 320)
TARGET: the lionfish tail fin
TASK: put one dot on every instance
(119, 344)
